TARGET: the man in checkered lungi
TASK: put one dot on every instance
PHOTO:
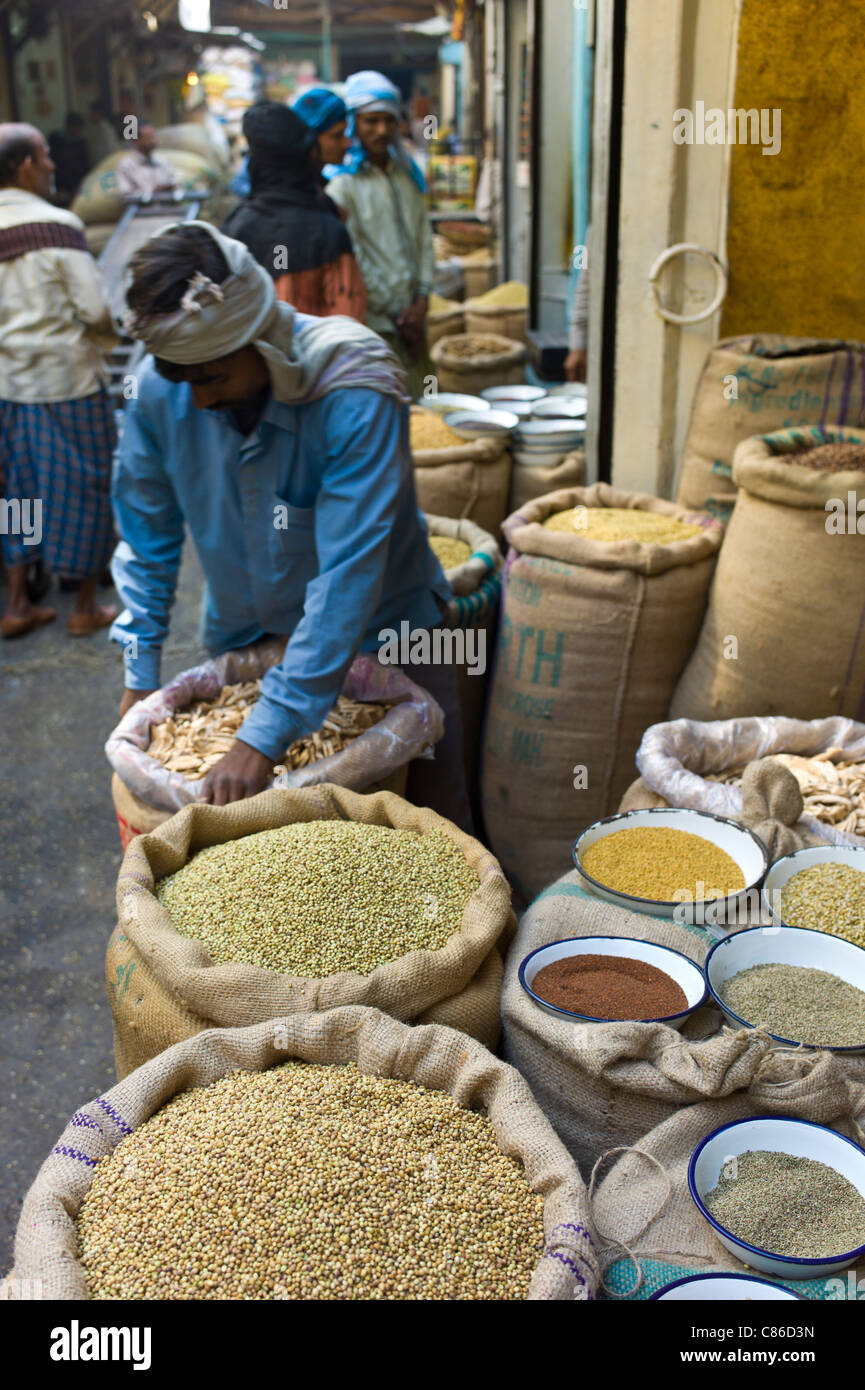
(57, 430)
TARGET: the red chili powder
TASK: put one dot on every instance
(613, 987)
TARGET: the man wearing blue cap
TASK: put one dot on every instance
(382, 191)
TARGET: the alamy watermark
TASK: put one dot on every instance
(845, 518)
(22, 516)
(714, 126)
(437, 646)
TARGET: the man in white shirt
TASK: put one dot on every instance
(57, 431)
(143, 173)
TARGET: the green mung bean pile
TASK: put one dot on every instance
(788, 1205)
(320, 897)
(310, 1182)
(828, 897)
(659, 862)
(799, 1003)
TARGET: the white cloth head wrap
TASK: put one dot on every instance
(305, 356)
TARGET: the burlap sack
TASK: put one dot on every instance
(466, 483)
(377, 759)
(98, 200)
(676, 760)
(163, 987)
(592, 639)
(649, 1226)
(46, 1262)
(506, 322)
(607, 1084)
(503, 365)
(778, 381)
(527, 483)
(785, 628)
(441, 323)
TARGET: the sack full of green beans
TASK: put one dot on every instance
(337, 1155)
(785, 626)
(472, 562)
(606, 1085)
(294, 901)
(653, 1233)
(604, 593)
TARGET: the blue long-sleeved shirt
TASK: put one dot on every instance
(307, 527)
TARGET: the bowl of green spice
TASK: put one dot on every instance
(785, 1196)
(670, 862)
(803, 987)
(822, 888)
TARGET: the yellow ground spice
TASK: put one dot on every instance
(620, 524)
(663, 864)
(449, 551)
(437, 305)
(427, 430)
(511, 294)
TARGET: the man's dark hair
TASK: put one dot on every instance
(74, 121)
(13, 152)
(162, 269)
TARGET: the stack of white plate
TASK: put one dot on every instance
(445, 402)
(542, 443)
(519, 400)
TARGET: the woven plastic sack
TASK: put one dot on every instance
(163, 986)
(409, 730)
(46, 1259)
(676, 758)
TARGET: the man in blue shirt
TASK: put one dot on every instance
(281, 442)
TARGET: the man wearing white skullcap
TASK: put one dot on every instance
(280, 442)
(382, 192)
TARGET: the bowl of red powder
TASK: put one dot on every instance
(611, 979)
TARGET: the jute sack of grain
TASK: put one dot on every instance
(650, 1229)
(474, 609)
(679, 762)
(785, 628)
(759, 383)
(528, 482)
(496, 318)
(604, 1084)
(99, 201)
(494, 361)
(46, 1249)
(376, 760)
(163, 986)
(592, 639)
(440, 323)
(469, 482)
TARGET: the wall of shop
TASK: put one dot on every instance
(797, 218)
(554, 175)
(517, 172)
(40, 81)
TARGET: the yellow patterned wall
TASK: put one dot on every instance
(796, 237)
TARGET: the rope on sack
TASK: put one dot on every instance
(611, 1240)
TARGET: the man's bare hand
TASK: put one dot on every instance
(131, 697)
(241, 773)
(575, 365)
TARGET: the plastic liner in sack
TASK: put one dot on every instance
(442, 1059)
(676, 759)
(408, 730)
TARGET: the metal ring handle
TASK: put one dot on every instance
(680, 248)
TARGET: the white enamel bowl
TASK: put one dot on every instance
(784, 869)
(501, 395)
(471, 424)
(778, 1135)
(445, 402)
(784, 946)
(560, 408)
(723, 1288)
(688, 976)
(716, 914)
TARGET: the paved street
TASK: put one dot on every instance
(60, 856)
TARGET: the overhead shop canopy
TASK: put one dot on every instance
(308, 16)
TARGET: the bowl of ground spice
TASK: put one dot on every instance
(803, 987)
(785, 1196)
(688, 865)
(609, 979)
(821, 888)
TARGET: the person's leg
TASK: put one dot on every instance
(440, 783)
(18, 485)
